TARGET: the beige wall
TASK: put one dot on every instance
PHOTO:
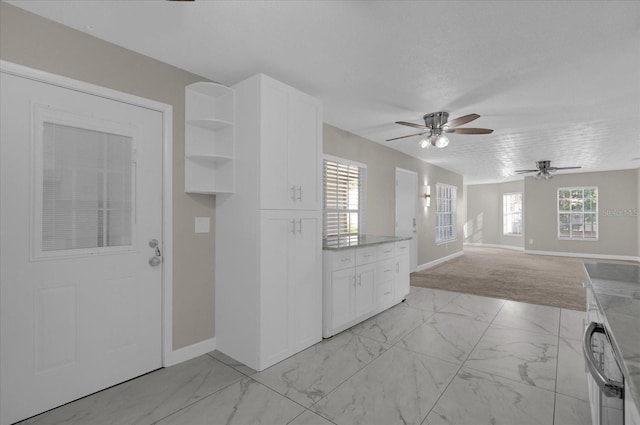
(638, 207)
(381, 165)
(30, 40)
(484, 214)
(617, 213)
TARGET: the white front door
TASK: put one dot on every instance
(406, 225)
(81, 198)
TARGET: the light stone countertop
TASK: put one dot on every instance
(617, 291)
(358, 241)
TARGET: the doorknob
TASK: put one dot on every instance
(156, 260)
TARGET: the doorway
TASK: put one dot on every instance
(406, 224)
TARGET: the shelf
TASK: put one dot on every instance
(210, 157)
(209, 138)
(210, 123)
(213, 90)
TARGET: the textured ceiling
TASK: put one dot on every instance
(556, 80)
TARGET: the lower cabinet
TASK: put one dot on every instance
(290, 301)
(361, 282)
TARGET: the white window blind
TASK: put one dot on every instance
(87, 188)
(445, 212)
(344, 188)
(512, 213)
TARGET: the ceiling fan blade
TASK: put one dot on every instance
(468, 130)
(525, 171)
(462, 120)
(564, 168)
(410, 124)
(411, 135)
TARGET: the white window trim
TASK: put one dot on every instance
(454, 215)
(362, 222)
(596, 213)
(515, 235)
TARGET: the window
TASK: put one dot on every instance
(512, 214)
(445, 213)
(578, 213)
(344, 189)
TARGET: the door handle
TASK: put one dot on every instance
(609, 387)
(156, 260)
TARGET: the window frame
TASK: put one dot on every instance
(362, 185)
(512, 213)
(581, 212)
(450, 208)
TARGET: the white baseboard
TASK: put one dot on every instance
(584, 255)
(190, 352)
(491, 245)
(439, 261)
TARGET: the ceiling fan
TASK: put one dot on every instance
(544, 168)
(436, 124)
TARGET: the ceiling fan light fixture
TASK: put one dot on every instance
(424, 142)
(441, 141)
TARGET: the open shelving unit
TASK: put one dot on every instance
(209, 138)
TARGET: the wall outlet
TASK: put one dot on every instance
(530, 241)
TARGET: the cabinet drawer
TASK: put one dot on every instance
(402, 247)
(366, 255)
(343, 259)
(385, 295)
(386, 271)
(386, 250)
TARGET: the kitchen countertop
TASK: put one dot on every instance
(617, 291)
(356, 241)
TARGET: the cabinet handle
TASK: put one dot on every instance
(300, 193)
(398, 267)
(300, 226)
(293, 193)
(293, 226)
(354, 280)
(359, 279)
(388, 270)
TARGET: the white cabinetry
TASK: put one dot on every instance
(209, 138)
(363, 281)
(268, 300)
(291, 125)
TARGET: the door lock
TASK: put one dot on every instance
(156, 260)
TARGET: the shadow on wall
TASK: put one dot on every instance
(473, 229)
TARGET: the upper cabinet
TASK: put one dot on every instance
(209, 138)
(290, 147)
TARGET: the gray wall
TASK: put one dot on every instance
(617, 212)
(619, 203)
(30, 40)
(381, 167)
(484, 214)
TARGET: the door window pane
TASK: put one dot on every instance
(87, 199)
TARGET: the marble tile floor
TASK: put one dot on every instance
(440, 358)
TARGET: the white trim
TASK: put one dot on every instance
(584, 255)
(344, 161)
(439, 261)
(167, 183)
(190, 352)
(491, 245)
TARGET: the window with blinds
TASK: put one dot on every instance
(512, 214)
(445, 213)
(87, 188)
(344, 188)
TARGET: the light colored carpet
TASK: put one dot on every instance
(511, 275)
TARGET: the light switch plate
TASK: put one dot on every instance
(202, 225)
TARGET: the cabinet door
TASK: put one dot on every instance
(304, 150)
(275, 192)
(402, 277)
(342, 289)
(306, 280)
(365, 298)
(276, 231)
